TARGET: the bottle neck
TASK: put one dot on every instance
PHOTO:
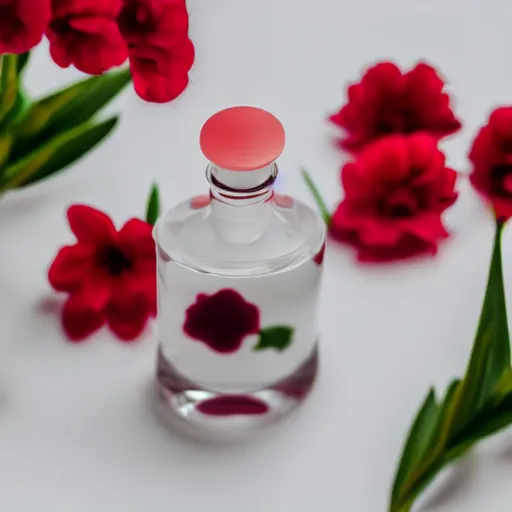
(241, 211)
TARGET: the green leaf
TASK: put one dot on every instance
(8, 85)
(5, 147)
(419, 439)
(418, 471)
(66, 109)
(496, 415)
(58, 153)
(153, 208)
(278, 337)
(23, 59)
(478, 406)
(490, 357)
(322, 207)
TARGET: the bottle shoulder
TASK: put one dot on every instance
(188, 234)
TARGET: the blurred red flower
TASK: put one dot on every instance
(85, 33)
(161, 53)
(394, 196)
(110, 275)
(387, 101)
(491, 156)
(22, 24)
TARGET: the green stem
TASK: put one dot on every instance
(449, 443)
(324, 211)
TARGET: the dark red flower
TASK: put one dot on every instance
(161, 53)
(22, 24)
(387, 101)
(85, 33)
(110, 275)
(233, 405)
(491, 156)
(221, 320)
(394, 196)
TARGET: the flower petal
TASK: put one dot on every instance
(136, 237)
(78, 321)
(90, 226)
(160, 75)
(128, 318)
(94, 294)
(408, 247)
(428, 227)
(71, 267)
(387, 160)
(380, 233)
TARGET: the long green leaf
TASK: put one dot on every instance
(490, 356)
(66, 109)
(59, 152)
(8, 85)
(500, 355)
(480, 405)
(322, 207)
(411, 481)
(153, 207)
(418, 440)
(496, 415)
(5, 146)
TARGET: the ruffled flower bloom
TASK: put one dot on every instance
(160, 51)
(22, 24)
(85, 33)
(491, 156)
(222, 320)
(110, 275)
(386, 101)
(395, 194)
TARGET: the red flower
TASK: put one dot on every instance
(387, 101)
(161, 54)
(85, 33)
(221, 320)
(491, 156)
(109, 274)
(22, 24)
(394, 196)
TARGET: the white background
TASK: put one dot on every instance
(76, 430)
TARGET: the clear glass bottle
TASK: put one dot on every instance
(239, 272)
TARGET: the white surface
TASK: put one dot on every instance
(76, 433)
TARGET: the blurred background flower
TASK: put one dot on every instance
(41, 137)
(108, 274)
(387, 101)
(491, 156)
(395, 193)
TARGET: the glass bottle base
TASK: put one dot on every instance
(203, 413)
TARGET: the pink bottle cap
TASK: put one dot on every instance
(242, 138)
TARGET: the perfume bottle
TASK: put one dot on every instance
(239, 272)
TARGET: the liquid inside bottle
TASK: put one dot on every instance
(239, 273)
